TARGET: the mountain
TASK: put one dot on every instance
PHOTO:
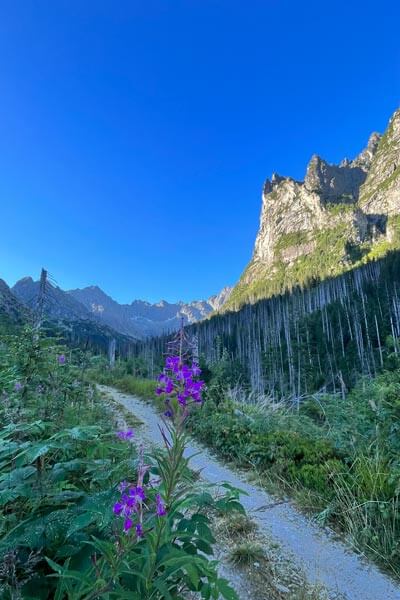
(12, 311)
(316, 339)
(138, 320)
(338, 218)
(57, 303)
(143, 319)
(64, 317)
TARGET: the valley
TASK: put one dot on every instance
(291, 380)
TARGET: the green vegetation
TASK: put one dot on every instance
(122, 378)
(333, 254)
(329, 258)
(292, 239)
(337, 454)
(61, 466)
(246, 553)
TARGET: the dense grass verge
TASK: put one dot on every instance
(138, 386)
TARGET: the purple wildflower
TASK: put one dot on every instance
(160, 506)
(61, 359)
(137, 494)
(118, 508)
(125, 435)
(18, 386)
(169, 386)
(182, 399)
(196, 370)
(179, 380)
(173, 363)
(127, 524)
(139, 530)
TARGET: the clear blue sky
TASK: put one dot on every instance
(135, 136)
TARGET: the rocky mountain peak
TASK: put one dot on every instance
(325, 224)
(364, 159)
(334, 183)
(220, 299)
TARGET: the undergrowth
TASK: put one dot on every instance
(84, 514)
(337, 457)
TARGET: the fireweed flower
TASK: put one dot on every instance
(137, 494)
(178, 380)
(160, 506)
(127, 524)
(131, 507)
(61, 359)
(126, 435)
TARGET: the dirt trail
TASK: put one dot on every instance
(323, 559)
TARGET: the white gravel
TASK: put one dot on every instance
(323, 559)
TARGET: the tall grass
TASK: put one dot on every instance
(367, 507)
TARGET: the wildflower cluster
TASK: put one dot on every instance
(181, 386)
(178, 380)
(134, 502)
(130, 505)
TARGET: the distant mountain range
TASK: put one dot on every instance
(139, 319)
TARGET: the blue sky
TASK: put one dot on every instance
(135, 136)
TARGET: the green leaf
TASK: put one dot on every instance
(36, 450)
(81, 522)
(226, 591)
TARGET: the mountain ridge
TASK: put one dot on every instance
(138, 319)
(337, 218)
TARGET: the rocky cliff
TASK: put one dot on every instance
(338, 218)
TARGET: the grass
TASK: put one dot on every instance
(145, 388)
(239, 525)
(246, 553)
(137, 386)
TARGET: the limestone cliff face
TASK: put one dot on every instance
(337, 218)
(381, 191)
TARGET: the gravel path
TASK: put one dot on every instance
(323, 559)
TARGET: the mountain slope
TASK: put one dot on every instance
(142, 318)
(64, 316)
(12, 311)
(338, 218)
(57, 304)
(138, 319)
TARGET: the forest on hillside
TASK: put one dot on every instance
(321, 338)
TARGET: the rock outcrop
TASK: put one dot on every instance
(381, 191)
(337, 218)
